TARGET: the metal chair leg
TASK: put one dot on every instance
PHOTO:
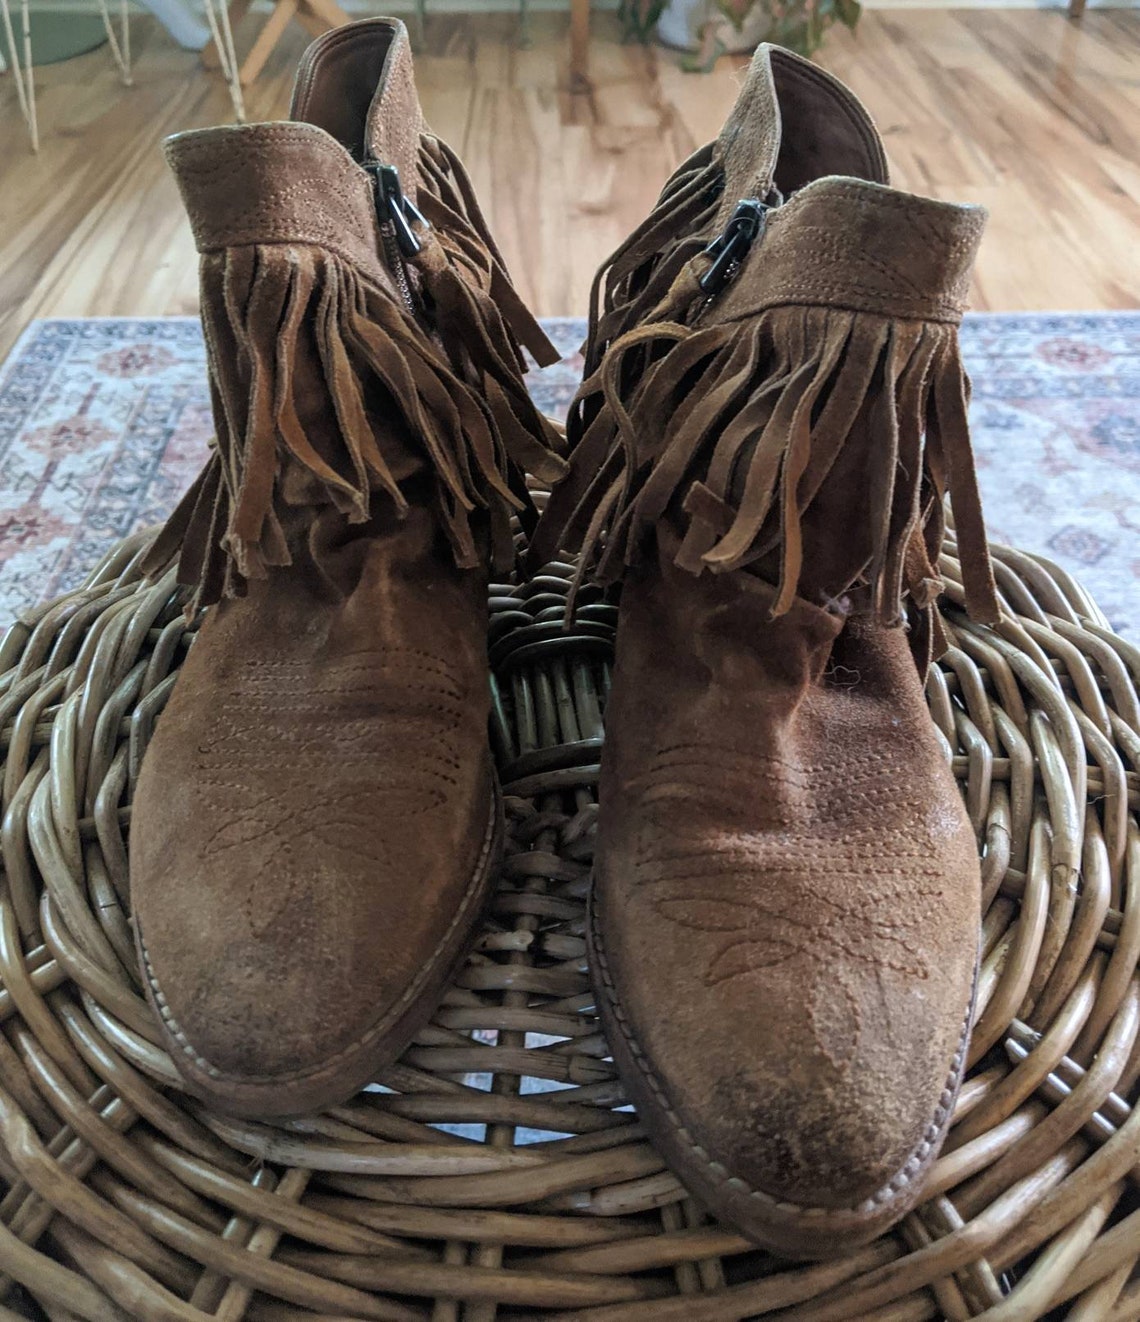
(23, 75)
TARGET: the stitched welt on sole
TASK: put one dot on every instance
(354, 1063)
(792, 1229)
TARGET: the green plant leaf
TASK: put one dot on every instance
(795, 33)
(736, 11)
(639, 19)
(801, 25)
(849, 12)
(710, 50)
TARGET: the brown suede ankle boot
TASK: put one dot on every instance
(317, 816)
(784, 929)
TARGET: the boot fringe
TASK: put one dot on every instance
(735, 428)
(638, 277)
(458, 397)
(449, 203)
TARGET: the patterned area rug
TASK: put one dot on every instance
(103, 423)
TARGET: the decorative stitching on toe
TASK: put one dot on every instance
(714, 1171)
(474, 889)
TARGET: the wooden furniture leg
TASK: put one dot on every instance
(310, 22)
(120, 43)
(328, 11)
(221, 28)
(316, 16)
(579, 45)
(267, 38)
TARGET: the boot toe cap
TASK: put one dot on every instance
(844, 1146)
(804, 1093)
(806, 1158)
(304, 975)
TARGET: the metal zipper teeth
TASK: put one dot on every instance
(395, 259)
(712, 298)
(387, 197)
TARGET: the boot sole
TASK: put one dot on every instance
(792, 1230)
(329, 1084)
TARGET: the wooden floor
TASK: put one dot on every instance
(1023, 110)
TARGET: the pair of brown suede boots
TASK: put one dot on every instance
(785, 909)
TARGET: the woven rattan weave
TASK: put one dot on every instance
(542, 1197)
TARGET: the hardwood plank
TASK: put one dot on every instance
(1025, 111)
(93, 225)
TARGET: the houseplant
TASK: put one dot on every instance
(707, 29)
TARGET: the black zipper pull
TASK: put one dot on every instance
(396, 214)
(394, 208)
(729, 249)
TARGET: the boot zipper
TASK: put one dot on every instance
(396, 214)
(728, 250)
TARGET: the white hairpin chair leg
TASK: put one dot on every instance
(22, 73)
(218, 17)
(120, 44)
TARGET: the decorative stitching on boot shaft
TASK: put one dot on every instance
(807, 912)
(276, 183)
(862, 246)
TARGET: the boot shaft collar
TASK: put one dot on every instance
(861, 246)
(802, 414)
(277, 183)
(302, 180)
(358, 84)
(843, 238)
(792, 124)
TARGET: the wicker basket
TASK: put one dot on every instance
(497, 1173)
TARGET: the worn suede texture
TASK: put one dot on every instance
(315, 814)
(785, 915)
(317, 819)
(785, 905)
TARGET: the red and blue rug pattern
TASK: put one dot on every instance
(104, 422)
